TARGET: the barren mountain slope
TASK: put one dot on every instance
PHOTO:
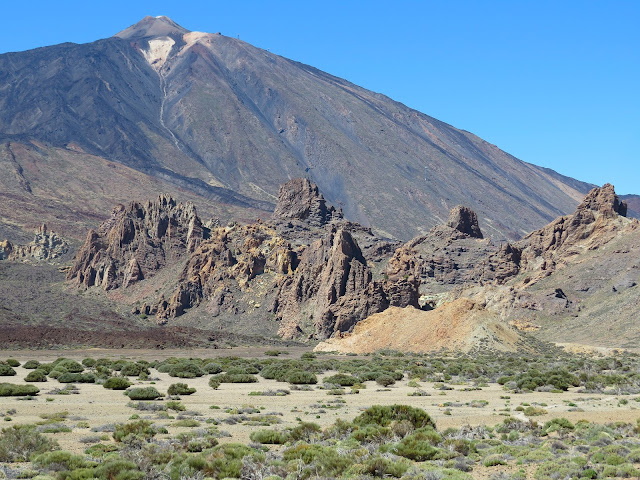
(231, 122)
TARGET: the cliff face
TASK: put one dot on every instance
(331, 290)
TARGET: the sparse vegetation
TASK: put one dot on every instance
(398, 441)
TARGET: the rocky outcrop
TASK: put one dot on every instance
(595, 222)
(135, 242)
(299, 199)
(464, 220)
(445, 257)
(330, 291)
(45, 245)
(225, 263)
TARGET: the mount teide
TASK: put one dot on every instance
(209, 116)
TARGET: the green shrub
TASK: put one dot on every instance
(378, 466)
(12, 362)
(180, 389)
(493, 460)
(70, 365)
(117, 469)
(385, 380)
(31, 364)
(304, 431)
(271, 437)
(212, 368)
(77, 378)
(186, 370)
(131, 369)
(233, 378)
(187, 422)
(142, 429)
(19, 442)
(143, 393)
(383, 415)
(214, 382)
(12, 390)
(301, 377)
(36, 375)
(222, 461)
(417, 446)
(57, 371)
(557, 424)
(89, 362)
(117, 383)
(175, 406)
(60, 460)
(342, 380)
(323, 461)
(6, 370)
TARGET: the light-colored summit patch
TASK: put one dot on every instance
(193, 38)
(158, 52)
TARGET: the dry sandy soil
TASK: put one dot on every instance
(95, 406)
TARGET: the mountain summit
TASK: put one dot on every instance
(228, 122)
(152, 27)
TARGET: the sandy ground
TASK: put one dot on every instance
(98, 406)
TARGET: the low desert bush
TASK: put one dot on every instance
(131, 369)
(142, 429)
(301, 377)
(143, 393)
(117, 383)
(12, 390)
(70, 365)
(77, 378)
(36, 375)
(19, 442)
(31, 364)
(384, 415)
(6, 370)
(212, 368)
(12, 362)
(233, 378)
(270, 437)
(180, 389)
(342, 380)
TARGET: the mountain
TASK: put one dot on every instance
(211, 119)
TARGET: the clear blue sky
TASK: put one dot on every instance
(555, 83)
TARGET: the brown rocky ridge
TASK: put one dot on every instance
(317, 284)
(562, 283)
(308, 273)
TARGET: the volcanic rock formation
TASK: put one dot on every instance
(45, 245)
(135, 242)
(299, 199)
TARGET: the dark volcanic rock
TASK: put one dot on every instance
(299, 199)
(464, 220)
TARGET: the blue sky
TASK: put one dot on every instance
(554, 83)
